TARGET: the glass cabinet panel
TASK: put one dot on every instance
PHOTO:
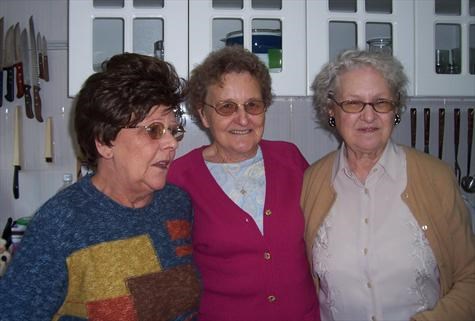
(447, 7)
(472, 49)
(342, 5)
(107, 40)
(227, 32)
(147, 31)
(148, 3)
(108, 3)
(267, 42)
(447, 48)
(227, 4)
(379, 6)
(266, 4)
(471, 8)
(343, 37)
(379, 37)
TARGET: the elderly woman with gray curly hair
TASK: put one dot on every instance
(387, 232)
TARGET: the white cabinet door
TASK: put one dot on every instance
(215, 23)
(333, 26)
(445, 36)
(99, 29)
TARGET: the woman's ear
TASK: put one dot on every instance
(204, 117)
(105, 151)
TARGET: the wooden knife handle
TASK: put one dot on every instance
(46, 68)
(426, 129)
(40, 65)
(10, 95)
(456, 129)
(37, 103)
(28, 103)
(441, 131)
(20, 86)
(413, 127)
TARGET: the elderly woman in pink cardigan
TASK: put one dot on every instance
(248, 226)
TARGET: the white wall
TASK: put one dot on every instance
(290, 118)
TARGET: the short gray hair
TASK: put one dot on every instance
(326, 80)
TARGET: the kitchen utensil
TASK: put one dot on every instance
(16, 153)
(45, 59)
(39, 43)
(413, 127)
(426, 129)
(382, 45)
(458, 171)
(20, 87)
(49, 140)
(26, 73)
(9, 61)
(468, 182)
(441, 131)
(1, 61)
(35, 72)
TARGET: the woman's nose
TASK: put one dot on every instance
(242, 116)
(368, 113)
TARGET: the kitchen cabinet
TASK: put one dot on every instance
(254, 22)
(335, 25)
(99, 29)
(445, 47)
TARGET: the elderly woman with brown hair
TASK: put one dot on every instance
(116, 245)
(386, 228)
(248, 226)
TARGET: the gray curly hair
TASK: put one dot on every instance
(326, 80)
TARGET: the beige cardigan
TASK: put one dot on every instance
(433, 196)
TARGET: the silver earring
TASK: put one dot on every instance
(397, 119)
(331, 121)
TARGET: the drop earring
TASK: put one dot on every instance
(397, 119)
(331, 121)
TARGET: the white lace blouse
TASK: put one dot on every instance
(372, 258)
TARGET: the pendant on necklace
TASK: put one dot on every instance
(243, 191)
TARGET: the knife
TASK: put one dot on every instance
(16, 154)
(20, 88)
(1, 61)
(45, 59)
(413, 127)
(426, 129)
(40, 56)
(35, 72)
(9, 61)
(441, 131)
(26, 73)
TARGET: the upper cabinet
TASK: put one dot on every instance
(272, 29)
(445, 47)
(99, 29)
(379, 25)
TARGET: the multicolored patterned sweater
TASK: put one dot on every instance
(85, 257)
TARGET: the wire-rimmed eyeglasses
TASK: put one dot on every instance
(157, 130)
(356, 106)
(227, 108)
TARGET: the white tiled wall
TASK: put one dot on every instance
(289, 118)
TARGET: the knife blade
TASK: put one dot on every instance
(441, 131)
(426, 129)
(1, 61)
(9, 61)
(40, 55)
(20, 88)
(413, 127)
(35, 72)
(45, 59)
(16, 153)
(26, 73)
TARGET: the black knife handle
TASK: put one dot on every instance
(10, 95)
(41, 67)
(456, 130)
(16, 185)
(20, 86)
(469, 137)
(426, 129)
(1, 87)
(413, 127)
(37, 103)
(441, 131)
(46, 67)
(28, 103)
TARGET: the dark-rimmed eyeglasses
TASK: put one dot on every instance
(227, 108)
(356, 106)
(156, 130)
